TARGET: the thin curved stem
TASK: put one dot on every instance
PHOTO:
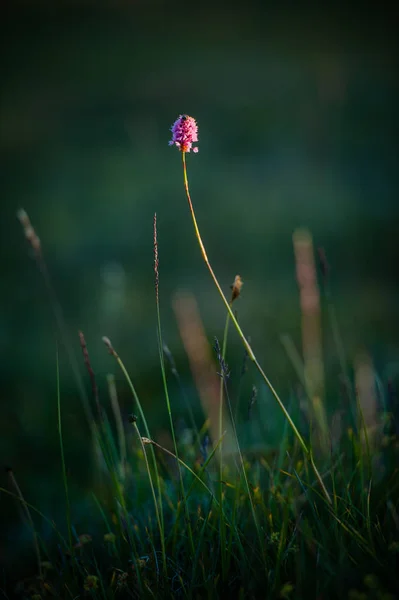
(242, 336)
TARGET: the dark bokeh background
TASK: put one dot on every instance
(297, 113)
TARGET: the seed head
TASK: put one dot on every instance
(110, 347)
(29, 232)
(146, 440)
(236, 288)
(184, 133)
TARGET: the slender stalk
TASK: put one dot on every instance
(64, 473)
(241, 334)
(185, 465)
(221, 403)
(224, 347)
(224, 375)
(118, 359)
(165, 385)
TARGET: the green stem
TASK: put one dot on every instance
(242, 336)
(189, 469)
(261, 544)
(224, 346)
(144, 420)
(221, 403)
(165, 386)
(160, 524)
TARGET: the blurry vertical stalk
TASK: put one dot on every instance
(199, 355)
(64, 472)
(366, 400)
(236, 287)
(244, 340)
(236, 290)
(222, 523)
(311, 332)
(119, 424)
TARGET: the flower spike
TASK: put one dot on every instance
(184, 133)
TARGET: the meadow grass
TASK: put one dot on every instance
(315, 517)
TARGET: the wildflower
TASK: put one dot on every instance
(184, 133)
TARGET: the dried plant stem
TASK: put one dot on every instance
(242, 336)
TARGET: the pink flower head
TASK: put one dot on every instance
(185, 132)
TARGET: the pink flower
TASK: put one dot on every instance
(185, 132)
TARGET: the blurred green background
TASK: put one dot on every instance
(298, 127)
